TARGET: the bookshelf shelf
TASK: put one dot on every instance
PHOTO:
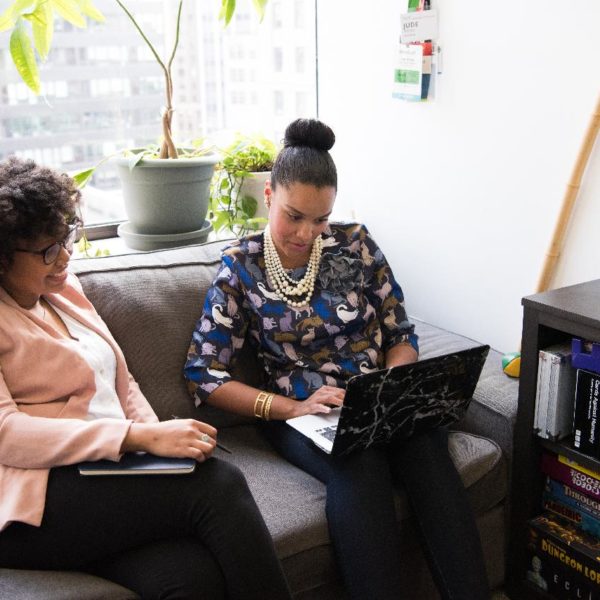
(548, 318)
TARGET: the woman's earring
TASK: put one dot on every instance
(268, 202)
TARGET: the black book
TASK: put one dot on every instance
(587, 413)
(138, 463)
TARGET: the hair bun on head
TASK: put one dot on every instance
(309, 132)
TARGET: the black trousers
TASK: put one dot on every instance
(180, 536)
(362, 519)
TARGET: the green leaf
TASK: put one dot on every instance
(70, 11)
(23, 56)
(135, 160)
(13, 12)
(83, 245)
(227, 10)
(259, 6)
(220, 221)
(42, 24)
(82, 178)
(249, 205)
(89, 10)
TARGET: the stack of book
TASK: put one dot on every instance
(568, 395)
(555, 392)
(564, 541)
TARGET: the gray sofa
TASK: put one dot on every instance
(151, 302)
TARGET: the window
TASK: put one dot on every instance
(277, 15)
(300, 14)
(103, 91)
(278, 102)
(278, 60)
(300, 63)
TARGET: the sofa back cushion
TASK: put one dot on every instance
(151, 303)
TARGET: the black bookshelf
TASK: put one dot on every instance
(548, 318)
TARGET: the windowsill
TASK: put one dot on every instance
(116, 245)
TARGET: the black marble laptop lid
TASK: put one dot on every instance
(395, 403)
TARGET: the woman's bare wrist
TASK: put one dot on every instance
(137, 437)
(284, 408)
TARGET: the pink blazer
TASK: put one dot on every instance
(45, 390)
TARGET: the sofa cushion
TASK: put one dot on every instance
(17, 584)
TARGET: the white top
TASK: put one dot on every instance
(97, 352)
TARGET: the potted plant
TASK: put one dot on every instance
(236, 201)
(179, 208)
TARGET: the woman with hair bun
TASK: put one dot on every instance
(320, 304)
(66, 396)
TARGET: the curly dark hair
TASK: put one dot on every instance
(34, 201)
(305, 155)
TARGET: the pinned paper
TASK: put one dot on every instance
(418, 26)
(408, 72)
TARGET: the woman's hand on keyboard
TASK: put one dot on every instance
(321, 401)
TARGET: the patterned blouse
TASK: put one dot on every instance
(355, 315)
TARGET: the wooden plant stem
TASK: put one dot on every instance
(569, 198)
(167, 148)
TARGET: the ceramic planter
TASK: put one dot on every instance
(254, 186)
(166, 196)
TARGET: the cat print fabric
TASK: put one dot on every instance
(356, 313)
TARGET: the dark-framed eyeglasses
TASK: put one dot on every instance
(50, 254)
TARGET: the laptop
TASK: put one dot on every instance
(395, 403)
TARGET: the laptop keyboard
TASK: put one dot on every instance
(328, 432)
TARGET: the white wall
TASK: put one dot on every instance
(463, 193)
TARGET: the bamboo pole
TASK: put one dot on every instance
(555, 248)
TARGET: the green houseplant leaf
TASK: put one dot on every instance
(42, 26)
(230, 210)
(83, 177)
(227, 10)
(260, 6)
(89, 10)
(39, 14)
(69, 10)
(23, 56)
(9, 17)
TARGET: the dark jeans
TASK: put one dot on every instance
(361, 516)
(181, 536)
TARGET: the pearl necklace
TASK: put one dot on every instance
(285, 286)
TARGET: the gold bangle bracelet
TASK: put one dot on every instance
(267, 407)
(259, 404)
